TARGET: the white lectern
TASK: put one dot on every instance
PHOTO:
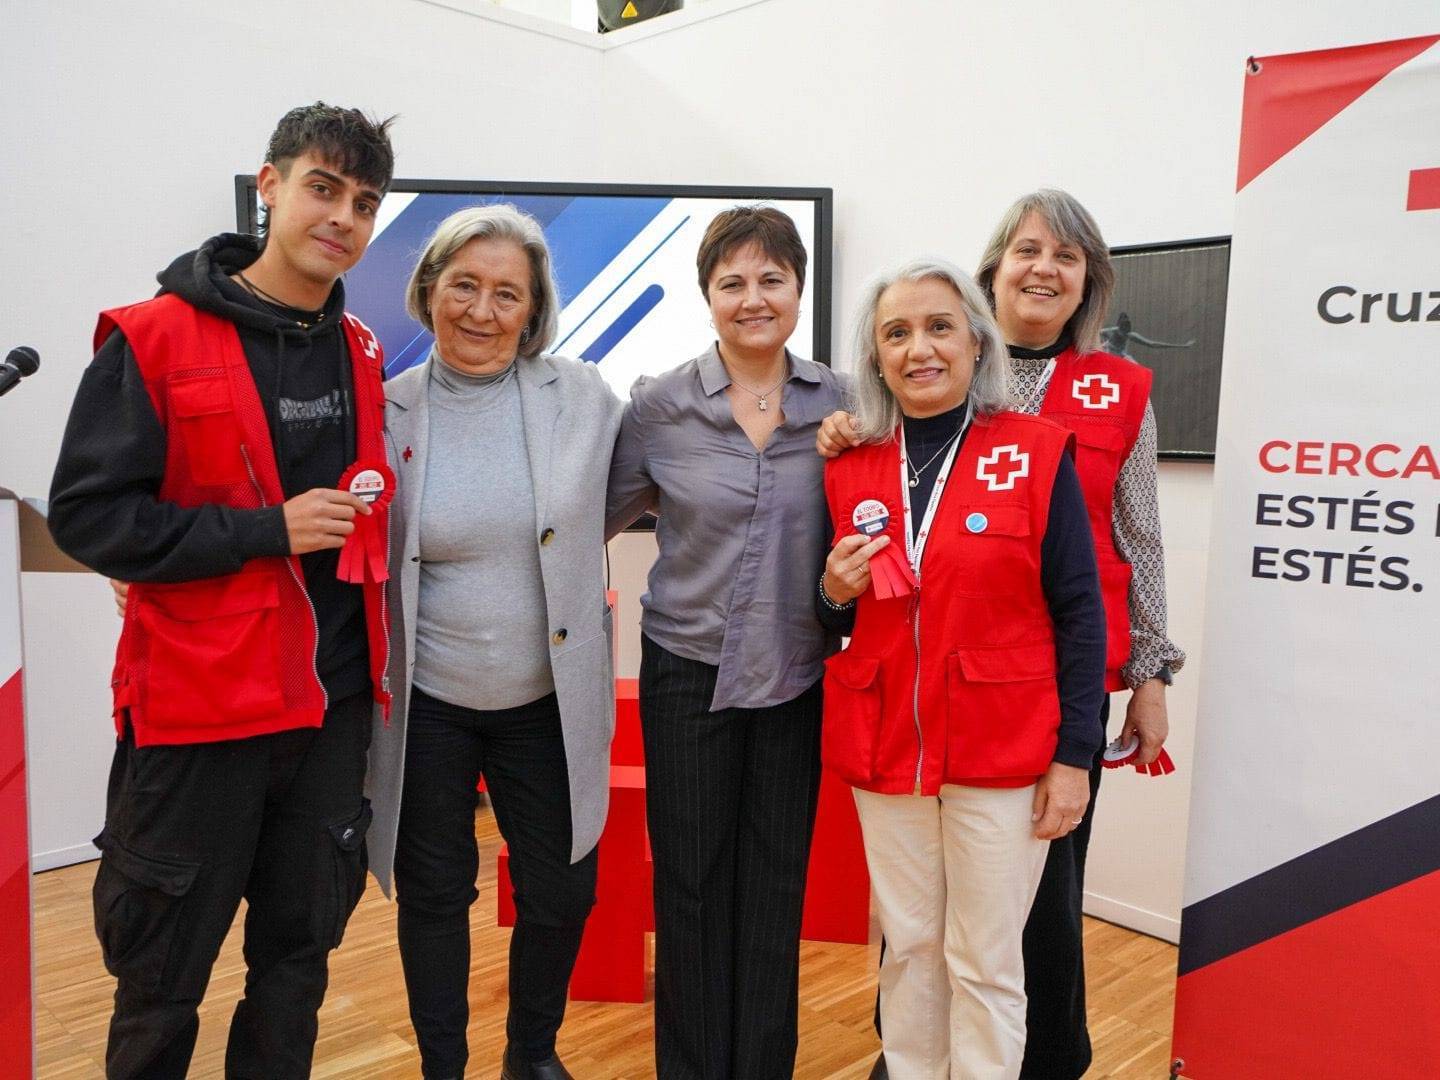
(24, 545)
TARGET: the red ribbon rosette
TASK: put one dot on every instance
(890, 573)
(362, 559)
(1120, 753)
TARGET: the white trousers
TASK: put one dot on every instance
(954, 877)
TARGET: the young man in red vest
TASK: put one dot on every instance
(202, 462)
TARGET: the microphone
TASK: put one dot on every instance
(21, 362)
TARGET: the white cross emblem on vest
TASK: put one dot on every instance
(1002, 467)
(365, 335)
(1096, 391)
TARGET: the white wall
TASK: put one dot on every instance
(926, 116)
(118, 154)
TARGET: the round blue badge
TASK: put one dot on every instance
(977, 522)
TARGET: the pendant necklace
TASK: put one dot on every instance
(760, 399)
(916, 473)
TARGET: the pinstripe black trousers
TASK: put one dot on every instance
(730, 799)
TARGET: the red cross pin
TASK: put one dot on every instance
(1096, 391)
(407, 454)
(1002, 467)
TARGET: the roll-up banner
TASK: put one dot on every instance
(1309, 944)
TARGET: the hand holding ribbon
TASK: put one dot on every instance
(1124, 751)
(889, 571)
(363, 557)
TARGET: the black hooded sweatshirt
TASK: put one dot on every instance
(104, 505)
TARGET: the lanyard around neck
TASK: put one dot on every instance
(915, 542)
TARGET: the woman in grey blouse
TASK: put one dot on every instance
(501, 654)
(722, 449)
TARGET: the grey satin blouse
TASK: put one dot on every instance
(742, 533)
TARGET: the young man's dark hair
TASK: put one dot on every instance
(353, 143)
(202, 463)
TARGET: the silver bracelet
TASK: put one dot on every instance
(831, 604)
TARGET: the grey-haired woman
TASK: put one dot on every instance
(501, 659)
(1049, 277)
(962, 712)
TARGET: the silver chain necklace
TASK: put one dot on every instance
(761, 399)
(915, 473)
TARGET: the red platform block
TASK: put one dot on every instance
(628, 746)
(611, 964)
(504, 889)
(837, 890)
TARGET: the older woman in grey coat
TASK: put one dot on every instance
(501, 660)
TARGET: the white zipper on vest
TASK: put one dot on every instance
(915, 703)
(290, 565)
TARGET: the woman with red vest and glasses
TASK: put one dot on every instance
(963, 711)
(1048, 273)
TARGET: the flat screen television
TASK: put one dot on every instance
(624, 263)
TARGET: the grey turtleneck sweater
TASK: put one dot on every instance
(481, 633)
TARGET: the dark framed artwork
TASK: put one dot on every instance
(1169, 315)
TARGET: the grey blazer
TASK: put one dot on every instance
(571, 419)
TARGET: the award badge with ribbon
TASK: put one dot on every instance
(890, 575)
(1119, 753)
(362, 558)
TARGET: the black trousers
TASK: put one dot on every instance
(521, 753)
(730, 799)
(189, 830)
(1057, 1042)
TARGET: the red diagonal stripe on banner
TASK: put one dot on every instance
(1347, 997)
(1293, 96)
(1424, 190)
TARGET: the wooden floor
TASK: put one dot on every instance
(365, 1032)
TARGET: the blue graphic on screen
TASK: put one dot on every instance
(624, 266)
(584, 239)
(642, 306)
(629, 317)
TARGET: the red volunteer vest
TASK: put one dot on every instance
(1101, 398)
(954, 684)
(232, 656)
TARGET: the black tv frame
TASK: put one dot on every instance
(822, 257)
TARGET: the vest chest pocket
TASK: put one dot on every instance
(1099, 447)
(991, 550)
(208, 430)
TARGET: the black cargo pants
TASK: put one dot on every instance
(189, 830)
